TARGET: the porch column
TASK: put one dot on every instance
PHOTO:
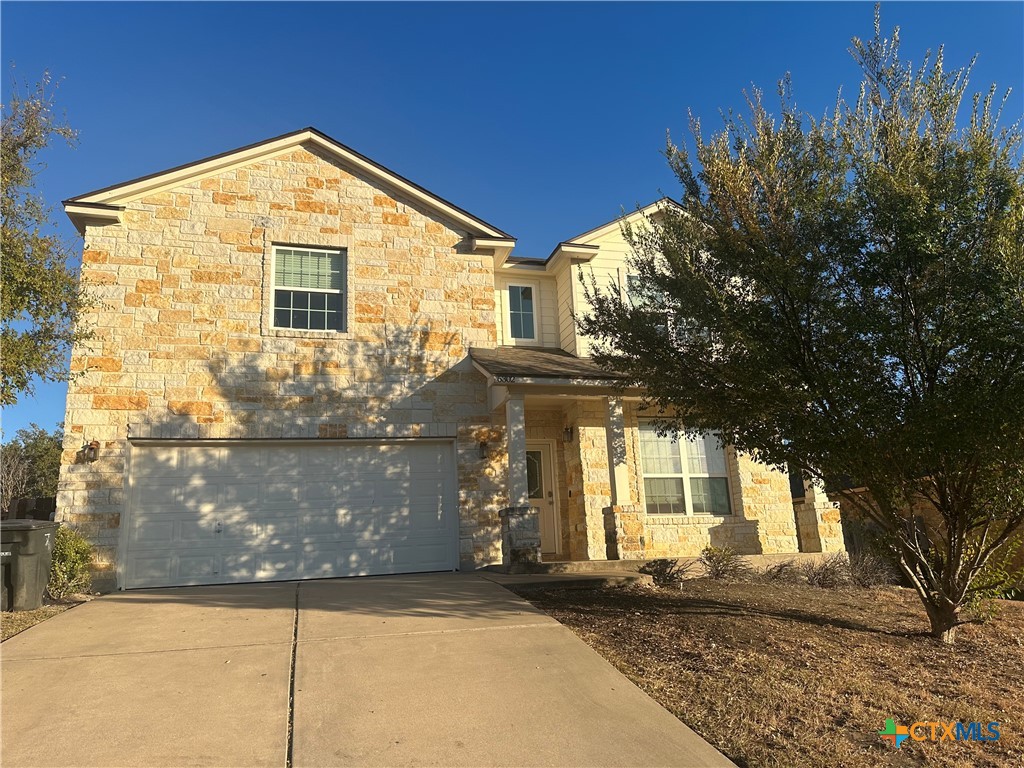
(624, 520)
(818, 521)
(515, 426)
(618, 473)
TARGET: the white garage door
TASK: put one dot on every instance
(209, 513)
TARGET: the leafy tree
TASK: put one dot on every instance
(40, 294)
(845, 295)
(30, 464)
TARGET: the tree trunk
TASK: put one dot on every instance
(943, 618)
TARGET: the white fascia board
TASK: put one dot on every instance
(146, 186)
(499, 247)
(83, 216)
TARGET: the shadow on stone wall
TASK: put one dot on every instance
(412, 382)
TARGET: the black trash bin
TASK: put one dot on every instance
(25, 548)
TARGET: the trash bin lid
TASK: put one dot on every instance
(26, 525)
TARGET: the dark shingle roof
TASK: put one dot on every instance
(538, 363)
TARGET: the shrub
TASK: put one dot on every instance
(871, 570)
(723, 563)
(829, 573)
(785, 572)
(69, 564)
(666, 573)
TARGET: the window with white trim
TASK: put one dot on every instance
(684, 477)
(309, 289)
(522, 320)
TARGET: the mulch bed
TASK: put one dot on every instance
(793, 675)
(13, 622)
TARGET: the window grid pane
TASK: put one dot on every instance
(696, 463)
(659, 455)
(295, 268)
(520, 312)
(664, 496)
(322, 275)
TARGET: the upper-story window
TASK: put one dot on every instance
(309, 288)
(643, 296)
(684, 477)
(522, 321)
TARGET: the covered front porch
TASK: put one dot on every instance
(577, 485)
(566, 445)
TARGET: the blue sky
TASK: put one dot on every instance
(543, 119)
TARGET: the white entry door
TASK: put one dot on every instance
(540, 478)
(217, 512)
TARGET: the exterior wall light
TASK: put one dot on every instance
(567, 434)
(90, 451)
(482, 446)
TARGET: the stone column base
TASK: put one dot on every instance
(624, 527)
(520, 535)
(819, 526)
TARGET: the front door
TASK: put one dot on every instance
(540, 478)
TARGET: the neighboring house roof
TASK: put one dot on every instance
(535, 363)
(107, 202)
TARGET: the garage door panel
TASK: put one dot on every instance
(196, 566)
(159, 491)
(421, 556)
(206, 460)
(240, 493)
(202, 514)
(151, 571)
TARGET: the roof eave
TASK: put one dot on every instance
(139, 187)
(83, 215)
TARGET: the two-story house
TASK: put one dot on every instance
(305, 366)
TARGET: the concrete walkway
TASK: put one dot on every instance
(440, 669)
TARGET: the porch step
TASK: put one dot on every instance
(592, 580)
(574, 566)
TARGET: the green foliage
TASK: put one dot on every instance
(844, 295)
(69, 564)
(723, 563)
(30, 464)
(40, 294)
(665, 572)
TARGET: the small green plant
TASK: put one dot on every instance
(830, 572)
(785, 572)
(665, 572)
(999, 579)
(722, 563)
(69, 564)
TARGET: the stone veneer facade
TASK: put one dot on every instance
(184, 348)
(183, 345)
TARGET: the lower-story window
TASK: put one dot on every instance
(684, 477)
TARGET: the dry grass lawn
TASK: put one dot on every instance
(792, 675)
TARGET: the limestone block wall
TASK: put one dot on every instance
(587, 479)
(183, 344)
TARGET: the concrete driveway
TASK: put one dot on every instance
(439, 669)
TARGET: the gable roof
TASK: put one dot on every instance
(106, 202)
(628, 218)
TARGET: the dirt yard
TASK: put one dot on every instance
(792, 675)
(13, 622)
